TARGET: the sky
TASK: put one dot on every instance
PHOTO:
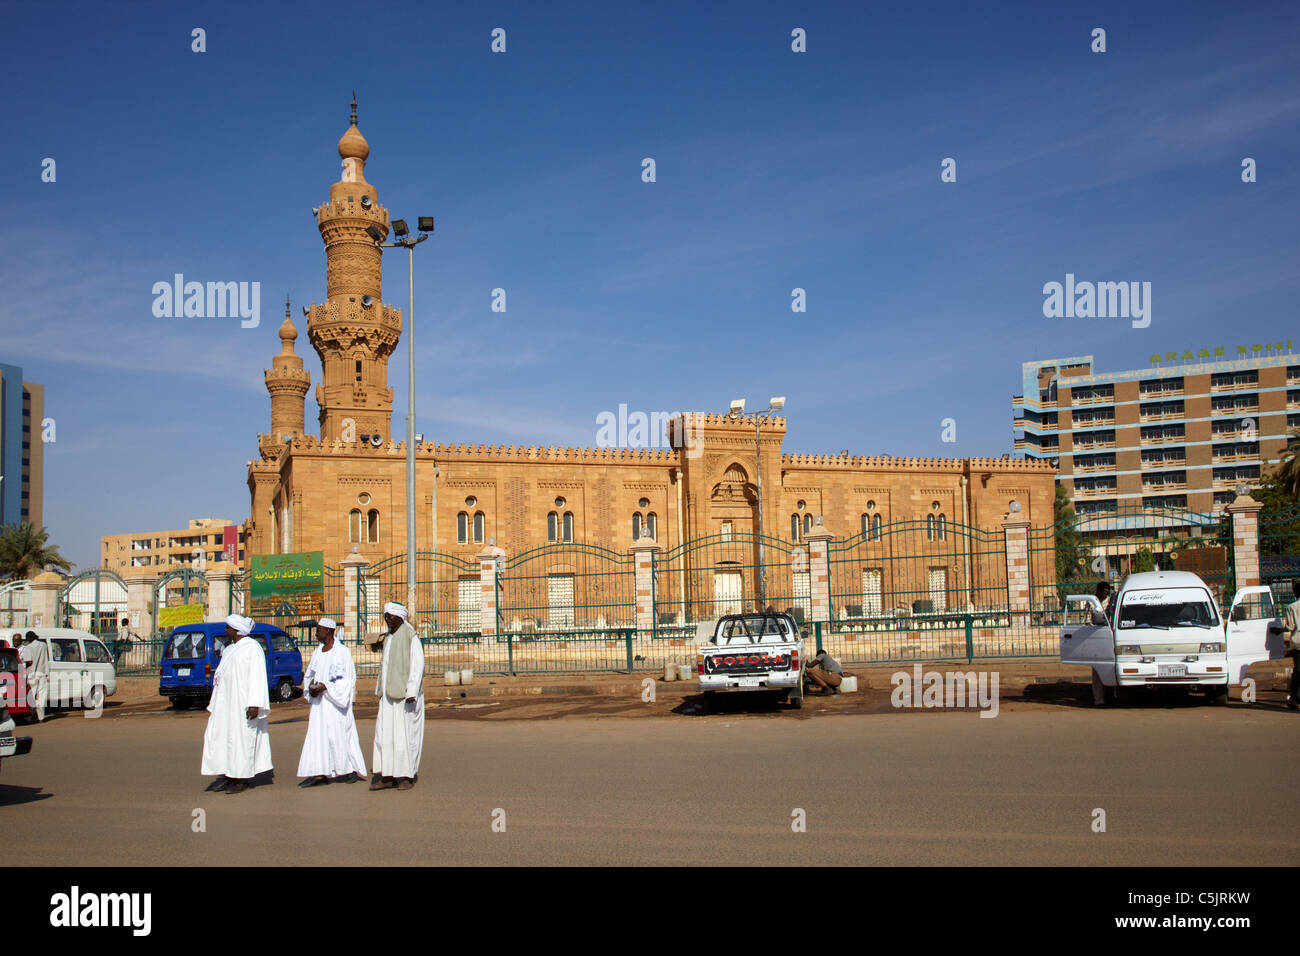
(775, 170)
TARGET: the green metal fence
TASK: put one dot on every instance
(1279, 551)
(1071, 556)
(447, 596)
(724, 574)
(923, 589)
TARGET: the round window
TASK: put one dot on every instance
(934, 506)
(471, 501)
(559, 502)
(871, 505)
(801, 505)
(363, 499)
(643, 503)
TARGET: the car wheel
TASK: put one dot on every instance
(1123, 696)
(795, 699)
(94, 699)
(180, 703)
(1219, 696)
(284, 690)
(706, 701)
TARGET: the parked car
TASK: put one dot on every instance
(13, 690)
(753, 653)
(1167, 631)
(11, 746)
(192, 654)
(82, 672)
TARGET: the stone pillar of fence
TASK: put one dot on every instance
(44, 598)
(219, 575)
(819, 573)
(139, 600)
(353, 566)
(643, 559)
(1015, 530)
(489, 562)
(1245, 541)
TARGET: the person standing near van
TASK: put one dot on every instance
(36, 657)
(399, 724)
(236, 743)
(332, 749)
(1291, 626)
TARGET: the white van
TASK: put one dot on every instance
(82, 672)
(1164, 628)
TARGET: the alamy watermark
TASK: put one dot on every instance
(213, 300)
(935, 689)
(1100, 300)
(624, 429)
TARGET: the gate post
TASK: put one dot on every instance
(1245, 541)
(352, 617)
(218, 575)
(44, 600)
(1015, 531)
(643, 560)
(139, 601)
(819, 572)
(489, 562)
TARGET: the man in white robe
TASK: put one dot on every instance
(35, 655)
(399, 724)
(236, 744)
(332, 750)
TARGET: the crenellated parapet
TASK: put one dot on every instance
(892, 463)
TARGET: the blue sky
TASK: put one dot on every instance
(775, 170)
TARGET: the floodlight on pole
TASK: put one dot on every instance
(399, 228)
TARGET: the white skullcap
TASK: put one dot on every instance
(395, 609)
(242, 625)
(327, 622)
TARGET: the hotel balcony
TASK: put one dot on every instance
(1230, 484)
(1292, 405)
(1160, 416)
(1079, 445)
(1093, 422)
(1158, 487)
(1235, 387)
(1229, 458)
(1235, 409)
(1093, 492)
(1162, 440)
(1086, 469)
(1095, 400)
(1160, 392)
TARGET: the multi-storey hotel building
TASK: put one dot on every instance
(1175, 436)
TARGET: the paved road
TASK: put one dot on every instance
(1181, 785)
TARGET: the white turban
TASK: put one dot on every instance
(327, 622)
(395, 609)
(242, 625)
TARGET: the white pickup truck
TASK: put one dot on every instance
(1164, 629)
(750, 653)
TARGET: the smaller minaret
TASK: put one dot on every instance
(287, 382)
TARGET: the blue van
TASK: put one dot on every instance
(193, 652)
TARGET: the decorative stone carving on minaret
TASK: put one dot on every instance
(353, 332)
(287, 382)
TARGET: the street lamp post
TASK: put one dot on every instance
(737, 410)
(404, 239)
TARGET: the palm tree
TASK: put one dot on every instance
(25, 553)
(1288, 469)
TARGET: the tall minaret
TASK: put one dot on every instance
(353, 332)
(287, 381)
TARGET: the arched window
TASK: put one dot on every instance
(462, 528)
(354, 525)
(568, 526)
(652, 525)
(875, 526)
(929, 527)
(372, 526)
(550, 526)
(807, 524)
(479, 522)
(636, 526)
(940, 526)
(794, 527)
(866, 524)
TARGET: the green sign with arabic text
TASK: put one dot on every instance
(280, 584)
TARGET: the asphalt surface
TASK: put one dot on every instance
(1180, 784)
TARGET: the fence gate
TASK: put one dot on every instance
(1071, 556)
(15, 603)
(1279, 552)
(447, 595)
(94, 601)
